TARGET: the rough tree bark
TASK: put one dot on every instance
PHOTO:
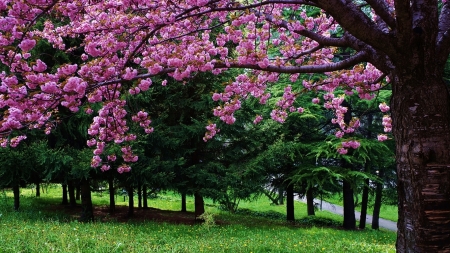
(422, 130)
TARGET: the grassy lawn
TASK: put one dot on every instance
(36, 228)
(387, 212)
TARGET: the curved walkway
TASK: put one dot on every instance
(387, 224)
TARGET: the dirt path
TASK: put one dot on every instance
(387, 224)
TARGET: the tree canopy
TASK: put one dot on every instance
(116, 47)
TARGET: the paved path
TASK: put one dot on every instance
(387, 224)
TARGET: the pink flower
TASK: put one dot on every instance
(383, 107)
(105, 167)
(145, 84)
(315, 100)
(382, 137)
(27, 44)
(342, 151)
(339, 134)
(257, 119)
(40, 66)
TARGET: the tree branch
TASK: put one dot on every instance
(382, 10)
(403, 15)
(443, 39)
(351, 61)
(356, 22)
(322, 40)
(355, 59)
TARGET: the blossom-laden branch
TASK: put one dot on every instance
(126, 43)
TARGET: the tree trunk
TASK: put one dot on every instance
(421, 123)
(183, 202)
(349, 206)
(130, 201)
(112, 201)
(139, 192)
(377, 204)
(87, 214)
(16, 192)
(65, 200)
(71, 190)
(78, 191)
(199, 205)
(281, 196)
(290, 216)
(310, 202)
(144, 196)
(38, 189)
(364, 202)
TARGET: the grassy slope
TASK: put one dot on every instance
(35, 230)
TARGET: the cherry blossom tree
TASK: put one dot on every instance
(358, 45)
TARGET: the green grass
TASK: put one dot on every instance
(388, 212)
(33, 229)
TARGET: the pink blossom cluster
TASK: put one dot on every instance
(123, 168)
(383, 107)
(387, 123)
(212, 130)
(280, 112)
(345, 145)
(144, 121)
(131, 41)
(335, 104)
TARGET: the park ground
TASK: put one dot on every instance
(44, 225)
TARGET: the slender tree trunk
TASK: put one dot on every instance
(38, 189)
(112, 200)
(183, 202)
(349, 206)
(377, 204)
(310, 202)
(281, 196)
(290, 216)
(130, 201)
(65, 200)
(199, 205)
(78, 191)
(364, 202)
(365, 193)
(71, 190)
(421, 123)
(87, 214)
(139, 192)
(16, 193)
(144, 196)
